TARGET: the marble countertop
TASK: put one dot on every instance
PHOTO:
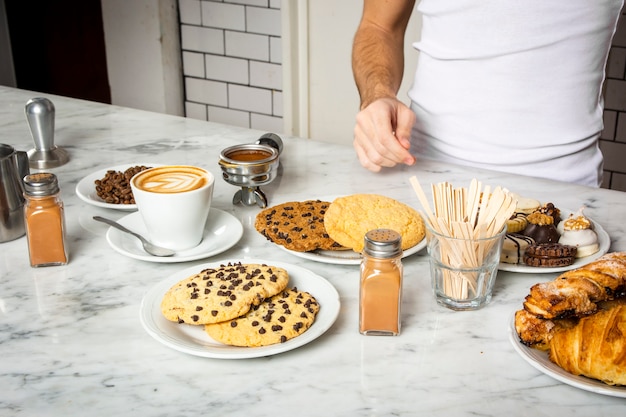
(71, 341)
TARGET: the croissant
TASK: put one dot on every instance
(576, 293)
(537, 332)
(595, 347)
(572, 295)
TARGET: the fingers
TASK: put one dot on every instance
(368, 154)
(382, 135)
(404, 126)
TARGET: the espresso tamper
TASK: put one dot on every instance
(40, 116)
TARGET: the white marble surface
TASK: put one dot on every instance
(71, 342)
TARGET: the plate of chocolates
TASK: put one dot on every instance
(547, 239)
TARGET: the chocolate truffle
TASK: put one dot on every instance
(541, 228)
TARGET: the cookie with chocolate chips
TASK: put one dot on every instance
(296, 225)
(276, 320)
(223, 293)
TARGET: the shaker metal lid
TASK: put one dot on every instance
(383, 243)
(41, 184)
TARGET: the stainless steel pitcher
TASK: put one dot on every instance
(13, 168)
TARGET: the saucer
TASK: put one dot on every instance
(222, 232)
(86, 188)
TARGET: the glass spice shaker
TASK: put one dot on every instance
(44, 218)
(380, 293)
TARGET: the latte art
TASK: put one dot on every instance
(171, 179)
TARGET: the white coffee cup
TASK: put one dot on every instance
(174, 203)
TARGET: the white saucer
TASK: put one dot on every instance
(222, 232)
(86, 188)
(540, 361)
(194, 341)
(345, 257)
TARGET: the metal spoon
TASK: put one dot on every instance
(151, 248)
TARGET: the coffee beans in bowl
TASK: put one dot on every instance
(114, 187)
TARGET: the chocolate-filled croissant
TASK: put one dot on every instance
(572, 295)
(576, 293)
(595, 347)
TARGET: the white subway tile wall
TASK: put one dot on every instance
(232, 53)
(232, 60)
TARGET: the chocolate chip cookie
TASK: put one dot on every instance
(223, 293)
(276, 320)
(296, 225)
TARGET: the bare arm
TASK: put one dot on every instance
(383, 129)
(378, 48)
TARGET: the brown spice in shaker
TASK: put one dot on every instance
(381, 283)
(45, 224)
(380, 297)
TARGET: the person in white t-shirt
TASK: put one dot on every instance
(507, 85)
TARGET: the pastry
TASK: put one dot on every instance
(595, 347)
(573, 294)
(223, 293)
(549, 255)
(526, 205)
(576, 293)
(349, 218)
(541, 228)
(513, 248)
(516, 223)
(276, 320)
(577, 231)
(537, 332)
(551, 211)
(580, 318)
(297, 225)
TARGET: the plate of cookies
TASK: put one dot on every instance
(548, 239)
(238, 309)
(110, 187)
(332, 230)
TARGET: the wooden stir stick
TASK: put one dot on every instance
(466, 215)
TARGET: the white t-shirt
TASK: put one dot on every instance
(514, 85)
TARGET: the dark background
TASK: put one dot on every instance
(58, 47)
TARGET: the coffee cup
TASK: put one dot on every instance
(174, 202)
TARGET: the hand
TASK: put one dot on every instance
(382, 134)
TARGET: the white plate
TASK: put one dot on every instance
(86, 188)
(222, 232)
(345, 257)
(193, 339)
(539, 360)
(604, 242)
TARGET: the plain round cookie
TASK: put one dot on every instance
(349, 218)
(276, 320)
(223, 293)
